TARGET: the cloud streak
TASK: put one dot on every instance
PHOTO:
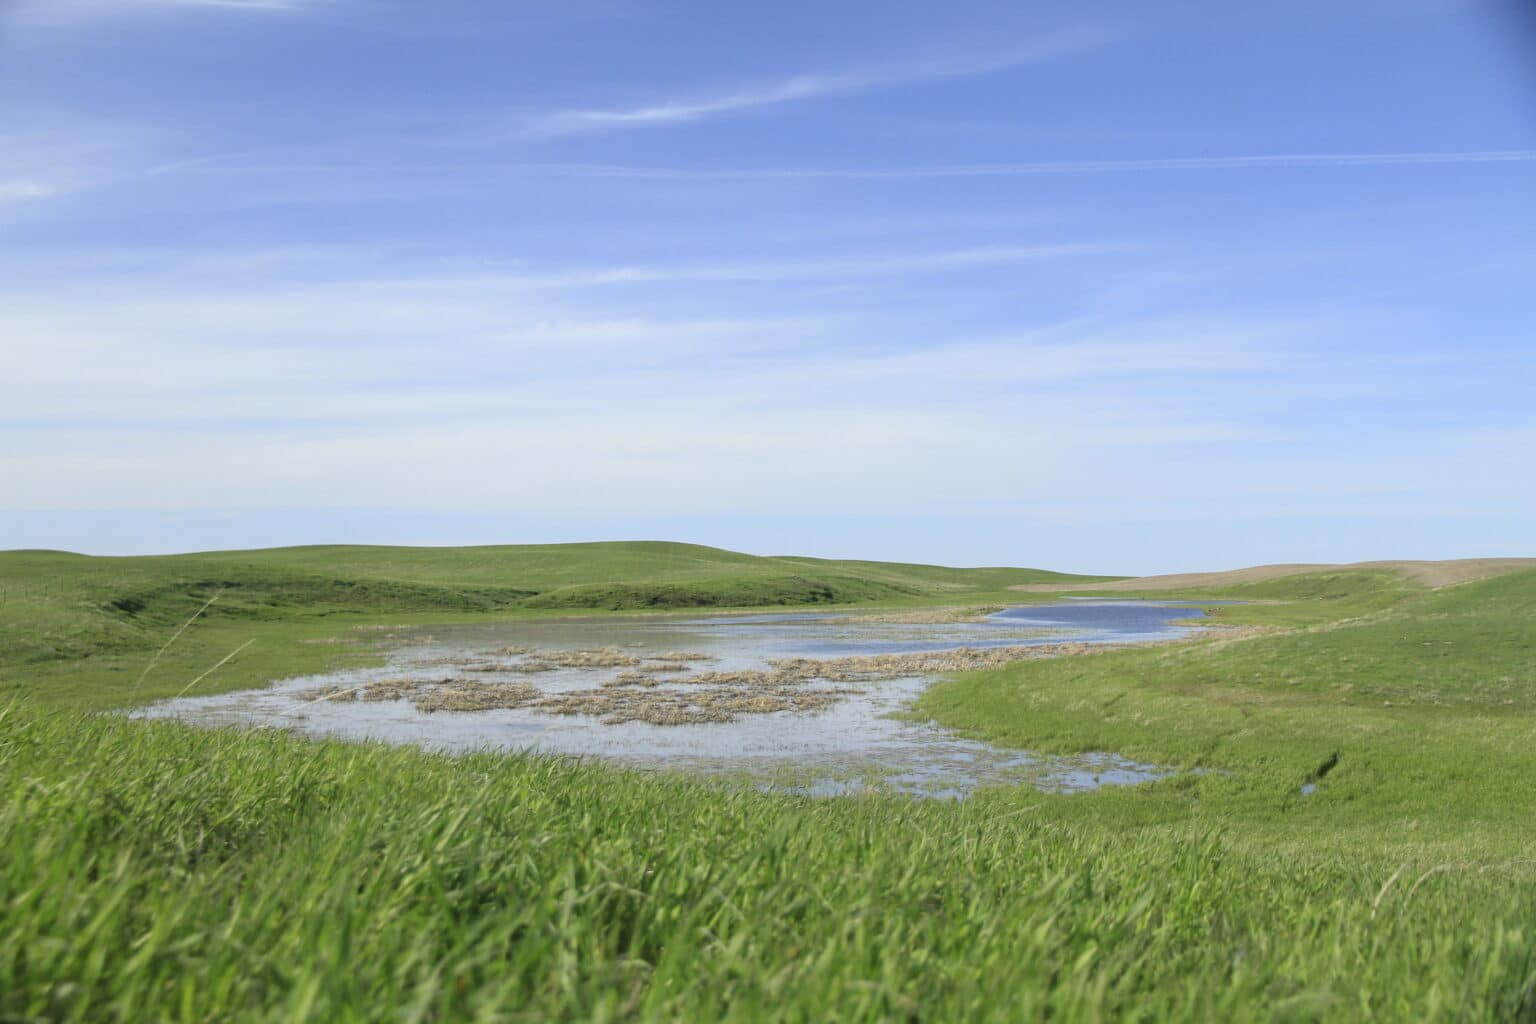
(326, 269)
(805, 87)
(24, 189)
(1010, 170)
(69, 12)
(877, 265)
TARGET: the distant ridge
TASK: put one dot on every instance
(1430, 574)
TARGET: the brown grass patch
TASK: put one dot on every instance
(476, 696)
(632, 677)
(929, 616)
(607, 657)
(684, 707)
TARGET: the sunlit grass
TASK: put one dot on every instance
(157, 872)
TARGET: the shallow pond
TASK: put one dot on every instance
(856, 742)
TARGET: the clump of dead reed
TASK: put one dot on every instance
(429, 695)
(517, 667)
(465, 695)
(928, 616)
(632, 677)
(615, 706)
(607, 657)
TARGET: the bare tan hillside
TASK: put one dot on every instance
(1431, 574)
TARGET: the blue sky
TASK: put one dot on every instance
(1119, 287)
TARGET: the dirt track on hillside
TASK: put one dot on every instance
(1431, 574)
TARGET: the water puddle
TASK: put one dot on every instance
(808, 702)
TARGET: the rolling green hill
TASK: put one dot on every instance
(79, 624)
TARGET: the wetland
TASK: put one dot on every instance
(812, 702)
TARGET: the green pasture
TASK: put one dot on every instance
(1346, 832)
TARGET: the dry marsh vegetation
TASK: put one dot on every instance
(607, 657)
(475, 696)
(667, 689)
(708, 704)
(930, 616)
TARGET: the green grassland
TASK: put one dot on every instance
(150, 871)
(1423, 700)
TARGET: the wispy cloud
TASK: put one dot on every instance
(868, 265)
(808, 86)
(1007, 170)
(327, 268)
(798, 88)
(24, 189)
(49, 153)
(68, 12)
(158, 350)
(479, 400)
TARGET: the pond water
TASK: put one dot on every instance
(858, 742)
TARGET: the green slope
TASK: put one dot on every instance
(1421, 702)
(535, 568)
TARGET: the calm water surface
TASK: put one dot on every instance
(855, 745)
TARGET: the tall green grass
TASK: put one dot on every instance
(157, 872)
